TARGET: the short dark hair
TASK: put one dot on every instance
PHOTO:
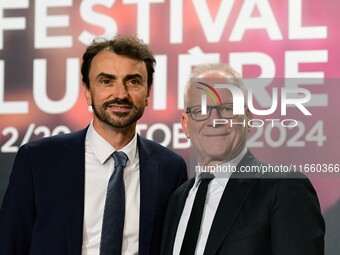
(125, 45)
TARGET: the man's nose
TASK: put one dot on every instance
(213, 116)
(120, 91)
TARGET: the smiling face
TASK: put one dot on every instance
(217, 144)
(118, 91)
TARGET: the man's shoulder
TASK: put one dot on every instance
(57, 140)
(184, 188)
(157, 150)
(289, 184)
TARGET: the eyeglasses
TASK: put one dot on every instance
(225, 111)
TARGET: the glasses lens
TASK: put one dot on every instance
(196, 113)
(226, 111)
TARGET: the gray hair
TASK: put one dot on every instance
(226, 70)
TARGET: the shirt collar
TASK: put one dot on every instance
(103, 149)
(223, 177)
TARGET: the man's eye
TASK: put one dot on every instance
(226, 109)
(105, 81)
(196, 111)
(134, 82)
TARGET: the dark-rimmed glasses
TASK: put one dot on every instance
(224, 111)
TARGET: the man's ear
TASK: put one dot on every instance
(147, 99)
(185, 124)
(88, 96)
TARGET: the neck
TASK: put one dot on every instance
(213, 160)
(117, 137)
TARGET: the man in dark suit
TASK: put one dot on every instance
(242, 213)
(63, 189)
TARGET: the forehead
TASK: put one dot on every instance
(200, 87)
(109, 62)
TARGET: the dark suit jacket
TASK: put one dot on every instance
(42, 211)
(257, 216)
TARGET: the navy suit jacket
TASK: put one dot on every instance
(257, 215)
(43, 208)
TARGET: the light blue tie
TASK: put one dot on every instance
(114, 211)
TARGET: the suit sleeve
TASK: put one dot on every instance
(17, 212)
(298, 227)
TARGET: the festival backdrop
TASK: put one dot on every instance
(281, 44)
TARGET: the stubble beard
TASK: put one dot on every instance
(120, 119)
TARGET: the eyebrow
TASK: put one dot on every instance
(113, 77)
(132, 76)
(105, 75)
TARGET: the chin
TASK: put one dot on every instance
(217, 152)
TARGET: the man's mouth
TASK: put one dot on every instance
(216, 135)
(119, 108)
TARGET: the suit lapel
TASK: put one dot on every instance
(149, 181)
(234, 196)
(72, 162)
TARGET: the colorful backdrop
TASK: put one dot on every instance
(283, 44)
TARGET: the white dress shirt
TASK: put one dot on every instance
(99, 166)
(214, 194)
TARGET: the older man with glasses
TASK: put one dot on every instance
(233, 212)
